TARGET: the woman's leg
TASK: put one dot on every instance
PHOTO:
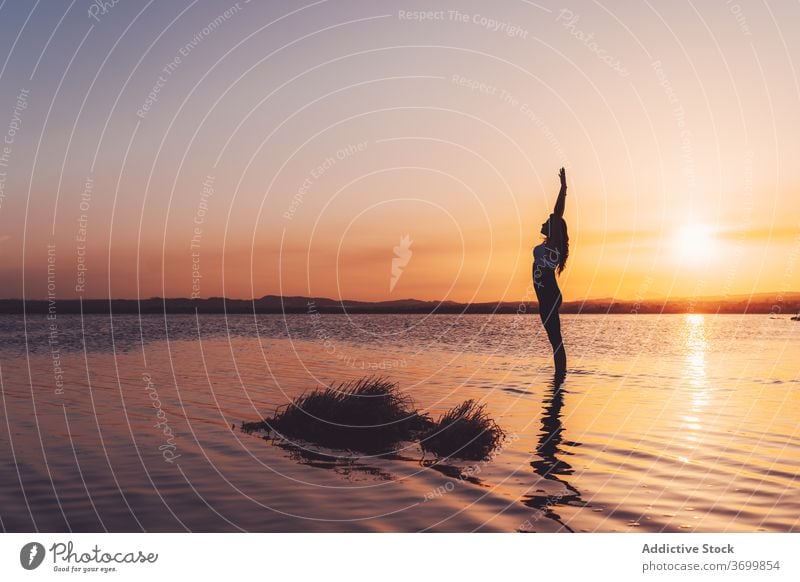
(552, 324)
(553, 327)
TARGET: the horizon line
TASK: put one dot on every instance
(779, 297)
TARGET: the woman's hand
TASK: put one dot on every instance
(562, 174)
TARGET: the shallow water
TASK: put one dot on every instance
(665, 423)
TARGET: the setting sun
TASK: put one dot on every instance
(695, 243)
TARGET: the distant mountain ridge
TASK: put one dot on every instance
(777, 303)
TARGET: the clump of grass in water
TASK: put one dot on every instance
(463, 432)
(369, 415)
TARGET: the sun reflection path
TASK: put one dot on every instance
(696, 348)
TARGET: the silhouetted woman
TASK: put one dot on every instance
(549, 259)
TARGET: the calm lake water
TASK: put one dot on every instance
(665, 423)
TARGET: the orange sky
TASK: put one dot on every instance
(328, 136)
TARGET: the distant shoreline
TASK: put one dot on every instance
(777, 304)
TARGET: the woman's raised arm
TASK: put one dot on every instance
(562, 194)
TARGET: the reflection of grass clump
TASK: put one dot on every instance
(369, 415)
(463, 432)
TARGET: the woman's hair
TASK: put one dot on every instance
(563, 252)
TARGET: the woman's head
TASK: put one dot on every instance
(558, 243)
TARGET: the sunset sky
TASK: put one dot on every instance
(258, 148)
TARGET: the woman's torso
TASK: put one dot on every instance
(545, 261)
(545, 257)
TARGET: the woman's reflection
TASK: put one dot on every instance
(548, 465)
